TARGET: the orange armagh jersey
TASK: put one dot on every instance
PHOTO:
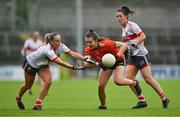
(104, 46)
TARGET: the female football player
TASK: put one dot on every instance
(31, 45)
(96, 48)
(38, 62)
(139, 56)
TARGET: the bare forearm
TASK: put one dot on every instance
(62, 63)
(140, 39)
(76, 55)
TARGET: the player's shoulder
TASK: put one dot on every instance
(46, 47)
(131, 23)
(29, 40)
(62, 45)
(105, 41)
(39, 41)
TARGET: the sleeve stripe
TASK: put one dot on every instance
(67, 51)
(139, 33)
(54, 58)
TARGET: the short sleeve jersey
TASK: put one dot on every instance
(44, 54)
(104, 46)
(32, 45)
(62, 49)
(129, 34)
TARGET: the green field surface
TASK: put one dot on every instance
(79, 98)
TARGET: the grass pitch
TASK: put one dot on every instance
(79, 98)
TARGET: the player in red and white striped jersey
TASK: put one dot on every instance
(138, 59)
(31, 45)
(38, 62)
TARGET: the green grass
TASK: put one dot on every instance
(79, 98)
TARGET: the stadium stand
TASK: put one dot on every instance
(160, 23)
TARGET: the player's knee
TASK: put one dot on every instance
(27, 86)
(129, 77)
(47, 83)
(118, 81)
(101, 87)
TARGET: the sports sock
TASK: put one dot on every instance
(18, 98)
(141, 98)
(162, 96)
(38, 102)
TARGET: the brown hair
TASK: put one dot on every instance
(126, 10)
(93, 34)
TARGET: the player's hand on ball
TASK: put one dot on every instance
(78, 67)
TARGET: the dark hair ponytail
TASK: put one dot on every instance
(126, 10)
(92, 33)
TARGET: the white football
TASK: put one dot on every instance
(108, 60)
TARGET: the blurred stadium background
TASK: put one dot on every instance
(159, 19)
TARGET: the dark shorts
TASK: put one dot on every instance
(118, 63)
(139, 61)
(31, 70)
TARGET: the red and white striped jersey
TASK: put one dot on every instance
(42, 55)
(32, 46)
(129, 35)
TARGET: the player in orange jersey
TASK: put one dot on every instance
(96, 48)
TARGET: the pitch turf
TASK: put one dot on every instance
(79, 98)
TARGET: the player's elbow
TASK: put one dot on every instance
(143, 37)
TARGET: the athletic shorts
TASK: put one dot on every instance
(139, 61)
(31, 70)
(118, 63)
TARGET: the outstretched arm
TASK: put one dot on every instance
(67, 65)
(77, 55)
(62, 63)
(90, 63)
